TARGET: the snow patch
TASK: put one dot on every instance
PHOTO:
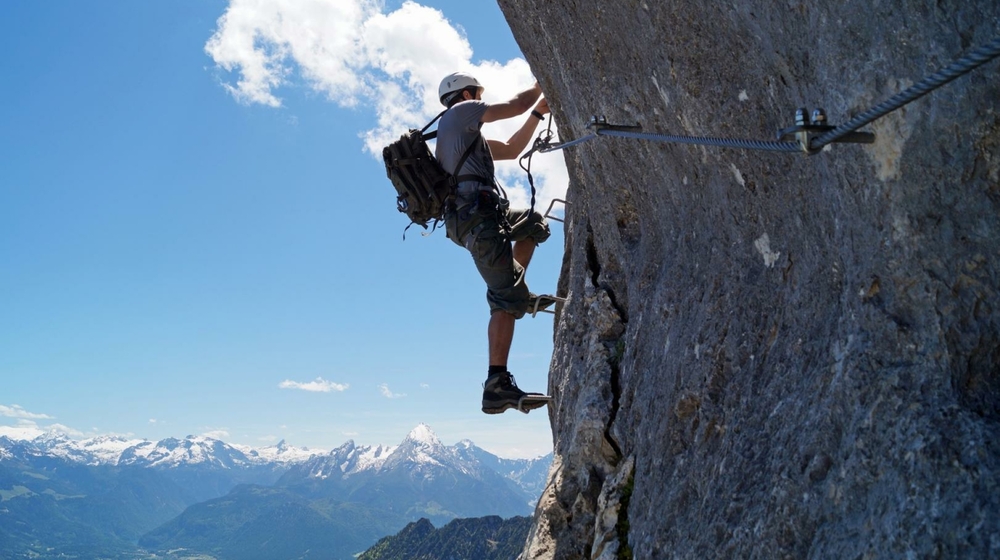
(106, 450)
(373, 457)
(281, 453)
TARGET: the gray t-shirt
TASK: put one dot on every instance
(456, 130)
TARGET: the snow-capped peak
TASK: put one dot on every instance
(347, 460)
(51, 438)
(92, 451)
(106, 449)
(281, 453)
(192, 450)
(422, 434)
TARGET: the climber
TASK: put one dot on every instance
(501, 240)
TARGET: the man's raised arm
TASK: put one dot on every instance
(516, 106)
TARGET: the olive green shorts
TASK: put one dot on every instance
(491, 250)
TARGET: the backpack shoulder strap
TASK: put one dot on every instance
(465, 157)
(430, 135)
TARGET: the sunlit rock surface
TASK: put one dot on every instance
(770, 355)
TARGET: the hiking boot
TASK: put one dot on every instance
(500, 392)
(540, 303)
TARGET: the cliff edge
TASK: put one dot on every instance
(769, 355)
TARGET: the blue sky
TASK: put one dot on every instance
(188, 242)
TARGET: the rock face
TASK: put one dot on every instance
(770, 355)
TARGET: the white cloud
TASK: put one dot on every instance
(387, 393)
(23, 431)
(17, 411)
(221, 433)
(152, 420)
(259, 38)
(319, 385)
(354, 53)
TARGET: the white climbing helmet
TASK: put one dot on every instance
(453, 84)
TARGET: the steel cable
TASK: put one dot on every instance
(765, 145)
(957, 69)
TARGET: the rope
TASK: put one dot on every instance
(544, 138)
(956, 69)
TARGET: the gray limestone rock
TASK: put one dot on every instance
(769, 355)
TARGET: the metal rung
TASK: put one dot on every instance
(538, 301)
(548, 213)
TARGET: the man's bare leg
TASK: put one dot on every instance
(500, 393)
(501, 333)
(523, 250)
(501, 329)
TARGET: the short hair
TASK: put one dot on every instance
(457, 98)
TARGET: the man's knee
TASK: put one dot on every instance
(542, 233)
(513, 301)
(536, 228)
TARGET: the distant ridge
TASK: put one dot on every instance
(98, 497)
(484, 538)
(116, 450)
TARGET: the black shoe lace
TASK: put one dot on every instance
(507, 382)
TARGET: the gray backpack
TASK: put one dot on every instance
(424, 189)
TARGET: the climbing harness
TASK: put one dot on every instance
(810, 135)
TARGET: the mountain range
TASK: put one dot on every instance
(116, 450)
(117, 498)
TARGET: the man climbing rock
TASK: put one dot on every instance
(501, 240)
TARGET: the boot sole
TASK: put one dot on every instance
(526, 404)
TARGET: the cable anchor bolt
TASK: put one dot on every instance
(597, 124)
(810, 126)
